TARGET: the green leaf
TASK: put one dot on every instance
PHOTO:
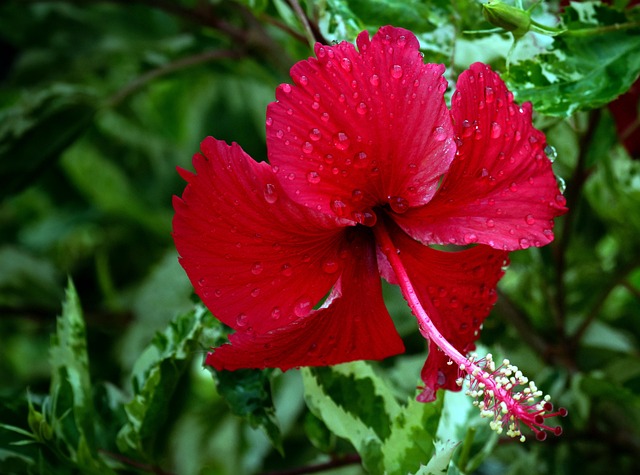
(586, 67)
(155, 381)
(248, 393)
(358, 405)
(35, 132)
(439, 463)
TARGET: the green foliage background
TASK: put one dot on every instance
(100, 100)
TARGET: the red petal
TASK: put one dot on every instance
(359, 129)
(500, 190)
(457, 290)
(256, 259)
(354, 326)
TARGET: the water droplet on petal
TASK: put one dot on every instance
(270, 193)
(346, 64)
(530, 219)
(439, 133)
(280, 133)
(269, 121)
(561, 200)
(304, 80)
(307, 147)
(360, 160)
(551, 153)
(513, 187)
(341, 141)
(339, 208)
(524, 243)
(313, 177)
(255, 292)
(286, 270)
(496, 130)
(401, 41)
(276, 313)
(374, 80)
(396, 71)
(489, 94)
(470, 238)
(256, 268)
(330, 267)
(398, 204)
(490, 223)
(315, 135)
(286, 88)
(302, 307)
(241, 320)
(362, 108)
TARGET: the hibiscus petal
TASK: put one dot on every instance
(257, 259)
(457, 290)
(500, 189)
(362, 128)
(352, 325)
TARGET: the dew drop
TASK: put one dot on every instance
(346, 64)
(270, 193)
(401, 41)
(304, 80)
(362, 108)
(439, 133)
(286, 270)
(496, 130)
(324, 117)
(314, 134)
(470, 238)
(269, 121)
(357, 195)
(561, 200)
(530, 219)
(339, 208)
(524, 243)
(256, 268)
(313, 177)
(489, 94)
(490, 223)
(374, 80)
(255, 292)
(307, 147)
(396, 71)
(360, 160)
(513, 187)
(280, 133)
(276, 313)
(551, 153)
(330, 267)
(302, 307)
(241, 320)
(341, 141)
(286, 88)
(398, 204)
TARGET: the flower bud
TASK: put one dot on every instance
(511, 18)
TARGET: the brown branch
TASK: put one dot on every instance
(343, 461)
(134, 463)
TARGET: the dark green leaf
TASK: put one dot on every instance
(248, 393)
(34, 133)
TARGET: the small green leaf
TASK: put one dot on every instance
(155, 379)
(248, 393)
(439, 463)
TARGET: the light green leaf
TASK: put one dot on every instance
(439, 463)
(358, 405)
(155, 378)
(586, 67)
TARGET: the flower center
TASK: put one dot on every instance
(503, 394)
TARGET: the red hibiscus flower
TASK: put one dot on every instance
(368, 167)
